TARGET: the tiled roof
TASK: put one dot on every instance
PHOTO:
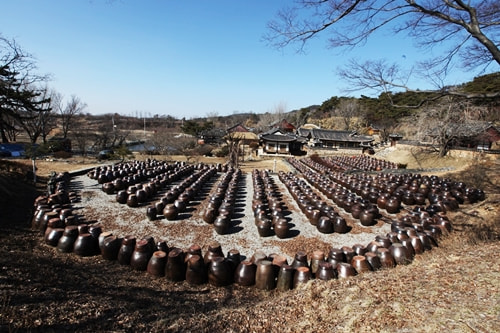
(331, 135)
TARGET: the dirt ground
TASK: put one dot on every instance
(454, 287)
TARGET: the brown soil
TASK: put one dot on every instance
(453, 287)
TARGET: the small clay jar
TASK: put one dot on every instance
(140, 256)
(300, 260)
(360, 264)
(53, 236)
(348, 253)
(244, 274)
(196, 272)
(417, 245)
(67, 240)
(101, 238)
(316, 258)
(325, 225)
(326, 271)
(335, 256)
(151, 213)
(265, 275)
(233, 258)
(258, 256)
(345, 270)
(407, 244)
(400, 254)
(359, 249)
(219, 272)
(126, 249)
(156, 264)
(214, 250)
(386, 258)
(175, 269)
(340, 225)
(374, 261)
(302, 275)
(110, 247)
(85, 245)
(285, 278)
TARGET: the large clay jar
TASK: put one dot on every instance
(121, 197)
(393, 204)
(326, 271)
(156, 264)
(264, 276)
(219, 272)
(132, 200)
(85, 245)
(285, 278)
(302, 275)
(325, 225)
(140, 256)
(209, 215)
(125, 252)
(400, 254)
(67, 240)
(360, 264)
(386, 258)
(175, 269)
(281, 228)
(345, 270)
(244, 274)
(367, 217)
(110, 247)
(196, 272)
(170, 211)
(264, 227)
(222, 224)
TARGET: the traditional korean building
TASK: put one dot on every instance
(334, 139)
(278, 141)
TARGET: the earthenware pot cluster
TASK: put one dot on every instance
(412, 233)
(267, 206)
(219, 207)
(320, 214)
(176, 200)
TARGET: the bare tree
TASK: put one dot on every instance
(443, 123)
(347, 109)
(19, 88)
(37, 117)
(68, 112)
(469, 28)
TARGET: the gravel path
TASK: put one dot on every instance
(190, 229)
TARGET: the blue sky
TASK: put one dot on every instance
(180, 58)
